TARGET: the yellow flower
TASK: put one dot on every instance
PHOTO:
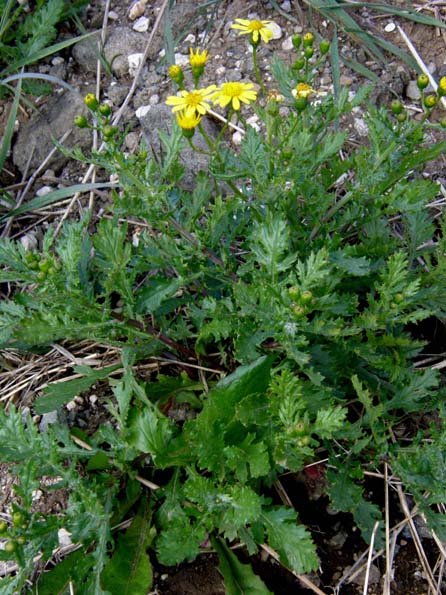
(176, 74)
(234, 93)
(442, 86)
(304, 90)
(254, 28)
(188, 121)
(192, 102)
(197, 59)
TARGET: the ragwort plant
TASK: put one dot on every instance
(298, 267)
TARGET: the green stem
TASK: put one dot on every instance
(257, 71)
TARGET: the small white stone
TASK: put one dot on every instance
(390, 27)
(287, 44)
(142, 111)
(113, 16)
(141, 24)
(36, 495)
(361, 127)
(276, 30)
(137, 9)
(220, 71)
(253, 121)
(57, 61)
(134, 61)
(154, 99)
(237, 138)
(190, 38)
(93, 399)
(64, 537)
(44, 191)
(29, 241)
(71, 405)
(286, 6)
(181, 59)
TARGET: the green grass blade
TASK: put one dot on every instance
(335, 64)
(9, 128)
(43, 201)
(36, 75)
(53, 49)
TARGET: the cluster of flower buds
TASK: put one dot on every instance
(102, 113)
(428, 100)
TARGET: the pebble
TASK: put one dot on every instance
(287, 44)
(29, 241)
(181, 59)
(190, 39)
(44, 191)
(345, 80)
(47, 419)
(220, 71)
(154, 99)
(361, 127)
(412, 90)
(390, 27)
(142, 111)
(113, 16)
(57, 61)
(137, 9)
(286, 6)
(237, 138)
(374, 576)
(131, 141)
(276, 30)
(64, 537)
(141, 24)
(134, 61)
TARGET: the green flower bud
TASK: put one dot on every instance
(91, 102)
(297, 41)
(396, 106)
(301, 103)
(17, 518)
(299, 64)
(81, 121)
(293, 291)
(105, 110)
(21, 540)
(324, 47)
(309, 52)
(306, 297)
(422, 81)
(272, 108)
(430, 101)
(443, 122)
(3, 527)
(298, 310)
(308, 40)
(10, 547)
(402, 117)
(109, 132)
(399, 297)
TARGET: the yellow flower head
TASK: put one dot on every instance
(188, 122)
(176, 74)
(304, 90)
(275, 95)
(197, 59)
(192, 102)
(257, 29)
(234, 93)
(442, 86)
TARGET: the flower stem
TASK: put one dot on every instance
(256, 69)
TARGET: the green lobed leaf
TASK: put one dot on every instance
(290, 539)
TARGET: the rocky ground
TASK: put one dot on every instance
(137, 41)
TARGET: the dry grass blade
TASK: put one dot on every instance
(417, 541)
(302, 577)
(369, 559)
(388, 575)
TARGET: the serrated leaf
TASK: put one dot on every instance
(239, 578)
(129, 572)
(150, 432)
(291, 540)
(354, 265)
(150, 298)
(329, 421)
